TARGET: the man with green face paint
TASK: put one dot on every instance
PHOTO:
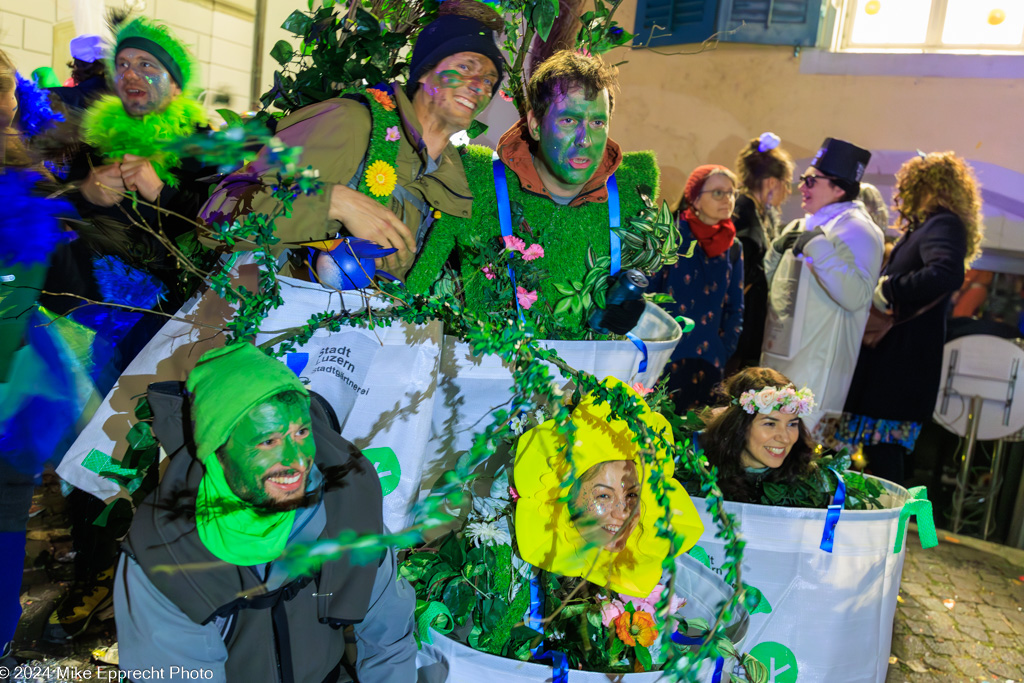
(558, 161)
(261, 469)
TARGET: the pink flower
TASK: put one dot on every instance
(504, 95)
(534, 251)
(393, 134)
(488, 273)
(611, 611)
(650, 603)
(641, 389)
(513, 243)
(526, 299)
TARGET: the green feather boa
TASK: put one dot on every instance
(114, 132)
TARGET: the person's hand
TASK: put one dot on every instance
(785, 241)
(804, 238)
(367, 219)
(103, 186)
(139, 175)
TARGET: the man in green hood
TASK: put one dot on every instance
(210, 580)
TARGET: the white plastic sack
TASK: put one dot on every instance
(448, 661)
(831, 613)
(471, 388)
(380, 383)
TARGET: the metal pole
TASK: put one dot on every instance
(994, 484)
(256, 80)
(1016, 536)
(965, 467)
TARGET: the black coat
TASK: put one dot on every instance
(899, 379)
(753, 235)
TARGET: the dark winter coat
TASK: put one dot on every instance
(752, 233)
(899, 379)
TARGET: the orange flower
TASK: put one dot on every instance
(383, 99)
(636, 628)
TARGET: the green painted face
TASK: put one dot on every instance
(572, 137)
(267, 458)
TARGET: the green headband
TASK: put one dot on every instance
(226, 384)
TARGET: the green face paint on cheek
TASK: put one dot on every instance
(267, 458)
(574, 136)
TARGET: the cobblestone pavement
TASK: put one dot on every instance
(960, 616)
(961, 613)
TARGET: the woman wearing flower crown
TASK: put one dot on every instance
(758, 436)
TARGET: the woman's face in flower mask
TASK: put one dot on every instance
(604, 505)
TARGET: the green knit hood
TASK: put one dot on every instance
(114, 132)
(228, 382)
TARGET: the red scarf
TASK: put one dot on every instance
(716, 239)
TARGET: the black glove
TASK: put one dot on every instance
(785, 241)
(621, 318)
(804, 238)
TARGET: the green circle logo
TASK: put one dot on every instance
(779, 659)
(388, 468)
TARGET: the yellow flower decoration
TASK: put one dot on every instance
(381, 179)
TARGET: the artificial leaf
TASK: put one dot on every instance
(282, 52)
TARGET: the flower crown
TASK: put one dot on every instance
(786, 400)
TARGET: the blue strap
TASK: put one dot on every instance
(614, 221)
(681, 639)
(719, 666)
(534, 620)
(834, 510)
(639, 344)
(296, 362)
(504, 213)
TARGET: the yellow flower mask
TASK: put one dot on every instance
(545, 533)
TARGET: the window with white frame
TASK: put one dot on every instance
(964, 26)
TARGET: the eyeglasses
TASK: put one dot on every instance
(811, 180)
(719, 195)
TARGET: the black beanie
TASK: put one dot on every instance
(448, 35)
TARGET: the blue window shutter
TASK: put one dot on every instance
(674, 22)
(771, 22)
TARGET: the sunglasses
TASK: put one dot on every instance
(811, 180)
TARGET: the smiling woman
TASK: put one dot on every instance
(758, 436)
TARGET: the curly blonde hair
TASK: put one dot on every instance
(940, 180)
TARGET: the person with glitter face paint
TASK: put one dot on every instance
(455, 70)
(607, 529)
(124, 177)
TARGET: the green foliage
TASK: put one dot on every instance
(458, 574)
(817, 488)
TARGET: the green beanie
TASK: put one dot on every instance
(226, 384)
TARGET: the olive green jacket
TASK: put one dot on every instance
(334, 136)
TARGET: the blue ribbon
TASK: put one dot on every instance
(614, 221)
(834, 510)
(534, 620)
(296, 362)
(639, 344)
(504, 213)
(681, 639)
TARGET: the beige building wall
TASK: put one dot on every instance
(701, 108)
(220, 34)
